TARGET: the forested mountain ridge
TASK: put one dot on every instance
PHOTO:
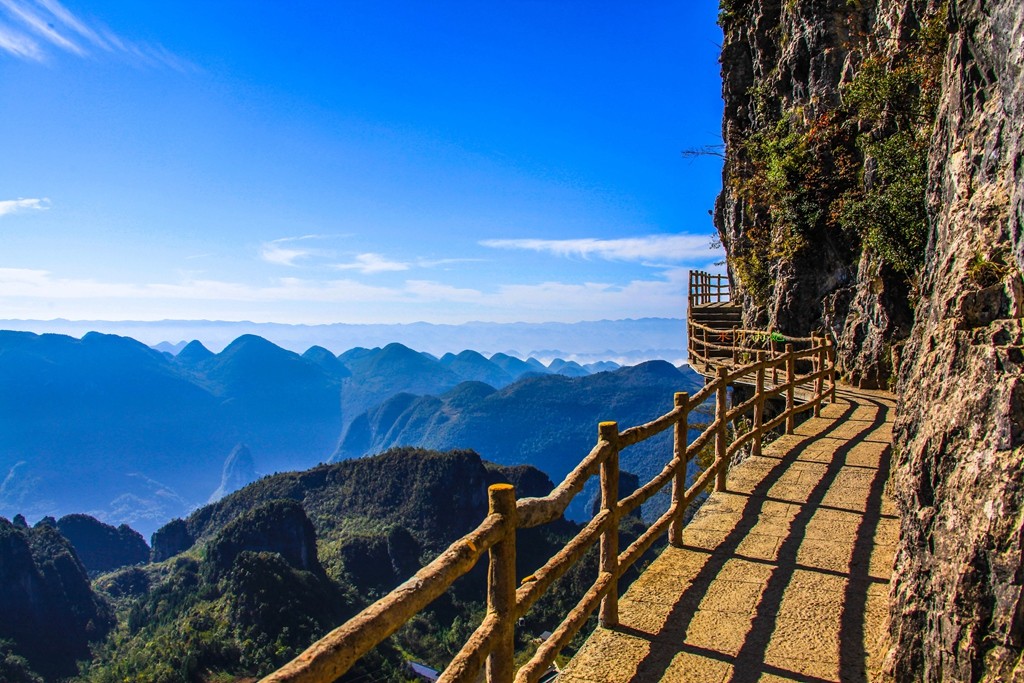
(257, 576)
(547, 421)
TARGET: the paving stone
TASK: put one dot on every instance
(764, 584)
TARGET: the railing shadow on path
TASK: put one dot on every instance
(749, 663)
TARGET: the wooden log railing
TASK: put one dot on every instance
(706, 288)
(715, 343)
(490, 647)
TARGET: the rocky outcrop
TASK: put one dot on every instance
(239, 470)
(170, 539)
(277, 526)
(102, 547)
(50, 613)
(958, 608)
(380, 562)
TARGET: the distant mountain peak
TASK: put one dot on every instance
(326, 360)
(194, 352)
(239, 470)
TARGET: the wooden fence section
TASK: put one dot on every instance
(715, 338)
(491, 646)
(706, 288)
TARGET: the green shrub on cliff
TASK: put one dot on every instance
(891, 215)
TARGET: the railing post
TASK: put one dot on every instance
(773, 352)
(501, 585)
(706, 354)
(680, 437)
(819, 382)
(689, 338)
(755, 448)
(790, 385)
(721, 408)
(609, 614)
(735, 342)
(832, 369)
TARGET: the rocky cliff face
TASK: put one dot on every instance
(277, 526)
(957, 604)
(874, 188)
(828, 107)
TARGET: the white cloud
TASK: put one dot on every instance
(671, 248)
(283, 256)
(8, 206)
(371, 263)
(43, 27)
(285, 251)
(41, 284)
(19, 45)
(436, 291)
(24, 24)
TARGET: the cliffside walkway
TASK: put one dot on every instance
(782, 577)
(780, 573)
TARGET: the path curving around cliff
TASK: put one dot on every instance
(784, 577)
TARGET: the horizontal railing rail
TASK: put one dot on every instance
(491, 646)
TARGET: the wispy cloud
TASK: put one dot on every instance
(662, 248)
(371, 263)
(34, 29)
(8, 206)
(288, 251)
(438, 263)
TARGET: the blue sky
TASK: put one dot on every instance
(355, 161)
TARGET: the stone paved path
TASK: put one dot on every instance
(785, 577)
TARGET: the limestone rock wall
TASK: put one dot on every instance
(957, 605)
(799, 161)
(816, 124)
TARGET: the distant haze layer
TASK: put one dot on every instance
(626, 342)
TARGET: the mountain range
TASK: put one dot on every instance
(626, 342)
(154, 434)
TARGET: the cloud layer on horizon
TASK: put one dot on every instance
(661, 296)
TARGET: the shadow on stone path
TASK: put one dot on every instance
(784, 577)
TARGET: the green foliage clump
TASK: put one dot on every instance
(986, 270)
(726, 12)
(881, 90)
(782, 155)
(796, 169)
(891, 215)
(899, 98)
(15, 668)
